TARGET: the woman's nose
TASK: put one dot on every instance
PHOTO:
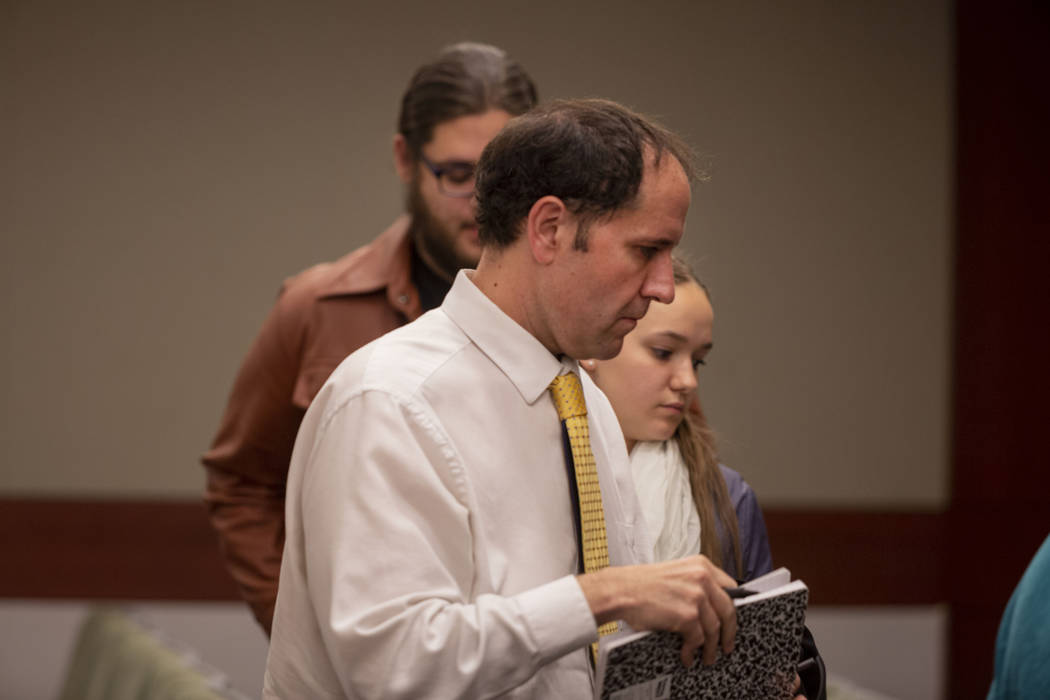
(684, 378)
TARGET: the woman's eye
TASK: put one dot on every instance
(661, 354)
(698, 362)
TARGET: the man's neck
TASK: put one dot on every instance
(507, 282)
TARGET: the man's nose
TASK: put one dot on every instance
(659, 283)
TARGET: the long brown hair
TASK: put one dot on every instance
(466, 78)
(696, 442)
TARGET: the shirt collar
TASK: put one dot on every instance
(383, 263)
(519, 355)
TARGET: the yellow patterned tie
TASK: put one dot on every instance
(572, 410)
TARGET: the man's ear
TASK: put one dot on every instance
(403, 159)
(547, 228)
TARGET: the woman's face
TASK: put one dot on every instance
(653, 379)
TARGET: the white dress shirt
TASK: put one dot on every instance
(430, 547)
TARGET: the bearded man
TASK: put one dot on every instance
(452, 108)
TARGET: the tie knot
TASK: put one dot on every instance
(568, 396)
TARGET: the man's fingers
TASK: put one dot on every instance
(712, 627)
(711, 622)
(723, 608)
(690, 643)
(722, 578)
(727, 614)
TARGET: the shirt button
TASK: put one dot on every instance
(403, 299)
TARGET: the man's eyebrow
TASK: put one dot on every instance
(456, 163)
(660, 242)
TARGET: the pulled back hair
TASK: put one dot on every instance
(589, 153)
(696, 442)
(464, 79)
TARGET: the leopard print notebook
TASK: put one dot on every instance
(648, 666)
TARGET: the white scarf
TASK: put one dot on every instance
(662, 482)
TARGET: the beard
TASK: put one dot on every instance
(434, 240)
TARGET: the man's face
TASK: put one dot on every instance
(595, 297)
(446, 229)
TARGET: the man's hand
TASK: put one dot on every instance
(684, 596)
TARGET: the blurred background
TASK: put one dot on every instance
(873, 233)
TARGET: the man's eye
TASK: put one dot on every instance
(459, 176)
(648, 251)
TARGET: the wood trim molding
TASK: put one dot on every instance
(110, 549)
(862, 557)
(167, 551)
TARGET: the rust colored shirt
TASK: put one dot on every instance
(321, 315)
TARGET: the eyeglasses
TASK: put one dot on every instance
(455, 178)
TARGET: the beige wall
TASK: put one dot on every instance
(169, 165)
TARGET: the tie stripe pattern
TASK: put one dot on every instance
(572, 410)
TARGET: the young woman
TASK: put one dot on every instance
(692, 504)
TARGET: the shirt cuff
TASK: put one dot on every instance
(558, 617)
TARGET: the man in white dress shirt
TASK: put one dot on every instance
(430, 547)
